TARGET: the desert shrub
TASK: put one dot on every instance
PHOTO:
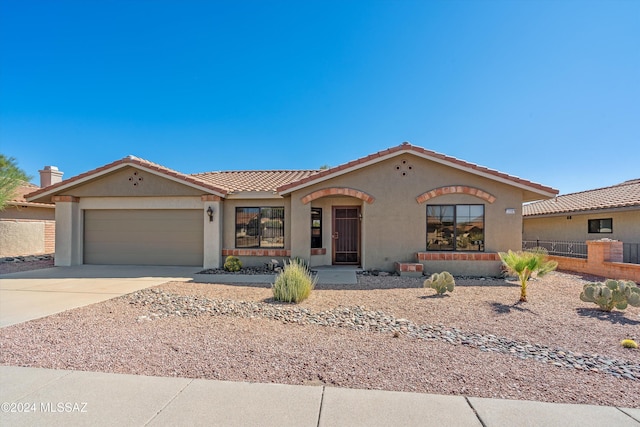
(294, 283)
(612, 293)
(441, 282)
(629, 344)
(525, 263)
(232, 264)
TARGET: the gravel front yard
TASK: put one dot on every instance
(384, 333)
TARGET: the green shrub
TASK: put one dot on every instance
(612, 293)
(232, 264)
(294, 283)
(629, 344)
(525, 264)
(441, 282)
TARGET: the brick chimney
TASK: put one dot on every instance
(50, 175)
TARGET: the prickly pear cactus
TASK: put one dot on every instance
(612, 293)
(441, 282)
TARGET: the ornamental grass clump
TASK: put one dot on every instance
(294, 283)
(525, 263)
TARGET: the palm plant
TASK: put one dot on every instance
(525, 263)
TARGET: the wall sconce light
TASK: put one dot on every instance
(210, 213)
(360, 216)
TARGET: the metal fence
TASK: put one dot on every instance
(630, 253)
(558, 247)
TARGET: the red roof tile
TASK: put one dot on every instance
(237, 181)
(23, 189)
(617, 196)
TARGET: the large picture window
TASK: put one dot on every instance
(260, 227)
(455, 227)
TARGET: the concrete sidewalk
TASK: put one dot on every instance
(32, 396)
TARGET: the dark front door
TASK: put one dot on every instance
(346, 235)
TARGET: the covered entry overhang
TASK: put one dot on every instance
(336, 217)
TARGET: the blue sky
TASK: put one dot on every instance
(545, 90)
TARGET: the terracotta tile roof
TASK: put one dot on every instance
(406, 147)
(269, 181)
(19, 196)
(617, 196)
(129, 160)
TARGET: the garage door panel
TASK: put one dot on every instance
(143, 237)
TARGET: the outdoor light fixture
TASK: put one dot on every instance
(210, 213)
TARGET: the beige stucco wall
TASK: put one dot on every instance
(626, 227)
(27, 212)
(21, 237)
(118, 183)
(394, 225)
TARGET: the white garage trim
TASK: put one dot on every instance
(141, 202)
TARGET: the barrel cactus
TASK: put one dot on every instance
(441, 282)
(612, 293)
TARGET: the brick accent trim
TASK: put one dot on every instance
(319, 251)
(256, 252)
(210, 198)
(49, 237)
(335, 191)
(456, 189)
(72, 199)
(413, 267)
(457, 256)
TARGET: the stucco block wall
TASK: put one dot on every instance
(394, 225)
(28, 212)
(626, 227)
(26, 237)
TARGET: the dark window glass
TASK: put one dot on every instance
(260, 227)
(455, 227)
(601, 225)
(316, 228)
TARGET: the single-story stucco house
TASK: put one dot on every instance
(610, 212)
(404, 204)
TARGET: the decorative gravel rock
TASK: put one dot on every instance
(384, 333)
(244, 270)
(162, 304)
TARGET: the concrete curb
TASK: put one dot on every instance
(34, 396)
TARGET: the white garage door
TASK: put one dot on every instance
(143, 237)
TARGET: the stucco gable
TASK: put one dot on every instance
(532, 191)
(155, 174)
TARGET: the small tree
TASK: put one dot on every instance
(11, 176)
(524, 264)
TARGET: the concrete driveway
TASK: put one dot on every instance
(34, 294)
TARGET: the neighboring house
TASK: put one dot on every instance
(609, 212)
(403, 204)
(28, 228)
